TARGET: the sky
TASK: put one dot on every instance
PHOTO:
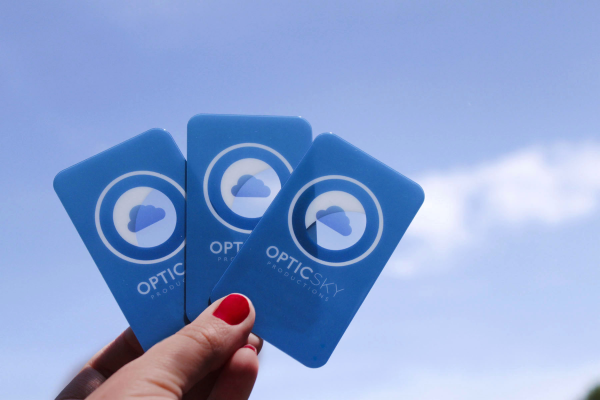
(492, 107)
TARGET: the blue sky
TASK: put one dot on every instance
(493, 108)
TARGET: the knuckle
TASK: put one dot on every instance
(160, 386)
(206, 337)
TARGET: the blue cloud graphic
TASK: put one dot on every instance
(143, 216)
(250, 186)
(335, 217)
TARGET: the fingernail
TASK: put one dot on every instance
(249, 346)
(234, 309)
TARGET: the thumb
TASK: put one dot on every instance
(170, 368)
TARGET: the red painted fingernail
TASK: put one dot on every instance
(249, 346)
(234, 309)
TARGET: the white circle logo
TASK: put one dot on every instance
(143, 217)
(335, 220)
(245, 188)
(340, 226)
(249, 186)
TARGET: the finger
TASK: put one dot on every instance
(238, 376)
(86, 381)
(124, 349)
(255, 341)
(175, 365)
(202, 389)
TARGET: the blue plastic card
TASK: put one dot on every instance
(128, 205)
(312, 259)
(236, 166)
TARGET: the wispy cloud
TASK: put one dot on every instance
(531, 384)
(546, 185)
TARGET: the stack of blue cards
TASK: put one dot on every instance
(302, 229)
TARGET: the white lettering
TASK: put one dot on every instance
(153, 281)
(276, 252)
(302, 272)
(216, 251)
(175, 269)
(140, 288)
(282, 255)
(162, 275)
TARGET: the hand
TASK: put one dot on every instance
(214, 357)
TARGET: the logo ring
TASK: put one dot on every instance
(343, 178)
(212, 164)
(99, 227)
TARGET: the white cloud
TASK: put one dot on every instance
(530, 384)
(545, 185)
(349, 379)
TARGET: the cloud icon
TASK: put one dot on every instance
(143, 216)
(250, 186)
(335, 217)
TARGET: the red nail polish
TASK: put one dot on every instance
(249, 346)
(234, 309)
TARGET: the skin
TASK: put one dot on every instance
(204, 360)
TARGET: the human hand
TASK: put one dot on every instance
(214, 357)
